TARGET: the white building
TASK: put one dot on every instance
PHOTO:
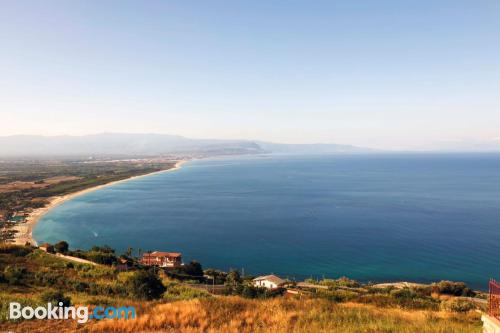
(268, 281)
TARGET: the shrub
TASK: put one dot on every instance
(337, 295)
(61, 247)
(453, 288)
(405, 293)
(402, 300)
(145, 285)
(103, 249)
(14, 274)
(176, 291)
(55, 297)
(103, 258)
(214, 274)
(458, 305)
(341, 282)
(80, 286)
(48, 278)
(16, 250)
(193, 269)
(89, 271)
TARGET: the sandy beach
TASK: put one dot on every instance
(25, 230)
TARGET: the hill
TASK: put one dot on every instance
(177, 301)
(123, 144)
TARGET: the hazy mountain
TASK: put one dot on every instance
(314, 148)
(149, 144)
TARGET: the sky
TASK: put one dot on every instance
(382, 74)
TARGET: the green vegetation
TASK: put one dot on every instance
(145, 285)
(33, 277)
(55, 297)
(61, 247)
(453, 288)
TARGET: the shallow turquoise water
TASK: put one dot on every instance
(370, 217)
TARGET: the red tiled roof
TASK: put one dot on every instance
(162, 254)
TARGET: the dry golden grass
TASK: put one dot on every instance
(234, 314)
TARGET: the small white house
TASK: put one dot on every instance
(268, 281)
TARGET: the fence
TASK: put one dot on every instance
(494, 299)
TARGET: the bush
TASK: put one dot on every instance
(337, 295)
(16, 250)
(61, 247)
(80, 286)
(14, 274)
(453, 288)
(103, 249)
(405, 293)
(402, 300)
(214, 274)
(341, 282)
(458, 305)
(104, 258)
(249, 292)
(48, 278)
(193, 269)
(176, 291)
(89, 271)
(145, 285)
(55, 297)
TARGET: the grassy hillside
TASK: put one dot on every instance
(235, 314)
(31, 277)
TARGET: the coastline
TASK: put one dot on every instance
(25, 230)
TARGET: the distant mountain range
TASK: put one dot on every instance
(152, 144)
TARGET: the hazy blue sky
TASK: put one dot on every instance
(389, 74)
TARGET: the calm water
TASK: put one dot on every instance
(378, 218)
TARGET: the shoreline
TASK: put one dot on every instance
(25, 230)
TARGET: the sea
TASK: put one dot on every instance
(371, 217)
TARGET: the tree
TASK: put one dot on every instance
(217, 276)
(61, 247)
(103, 249)
(145, 285)
(7, 233)
(233, 278)
(194, 269)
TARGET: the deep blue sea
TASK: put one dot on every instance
(413, 217)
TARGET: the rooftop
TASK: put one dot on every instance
(273, 278)
(162, 254)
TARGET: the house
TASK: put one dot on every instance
(162, 259)
(46, 247)
(268, 281)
